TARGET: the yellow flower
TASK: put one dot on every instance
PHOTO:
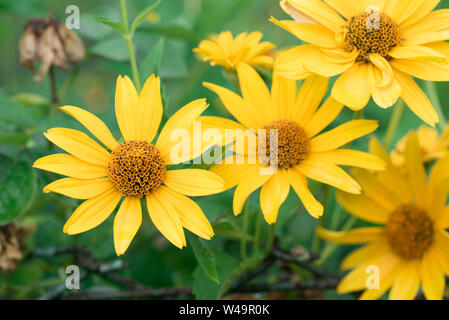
(411, 248)
(302, 152)
(133, 169)
(226, 51)
(374, 46)
(431, 144)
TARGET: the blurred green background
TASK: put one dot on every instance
(177, 26)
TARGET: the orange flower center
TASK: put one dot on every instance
(136, 168)
(409, 231)
(371, 32)
(293, 144)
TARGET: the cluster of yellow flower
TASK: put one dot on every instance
(375, 47)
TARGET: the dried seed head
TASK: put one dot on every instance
(372, 32)
(293, 144)
(51, 43)
(409, 231)
(136, 168)
(11, 245)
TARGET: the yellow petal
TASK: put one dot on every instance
(150, 109)
(355, 236)
(415, 169)
(300, 185)
(347, 9)
(406, 283)
(194, 182)
(425, 38)
(79, 188)
(366, 253)
(290, 63)
(93, 124)
(273, 194)
(330, 109)
(432, 276)
(352, 88)
(283, 94)
(190, 214)
(255, 93)
(385, 96)
(236, 106)
(430, 22)
(423, 69)
(419, 53)
(317, 10)
(78, 144)
(70, 166)
(231, 173)
(329, 174)
(312, 33)
(165, 218)
(362, 207)
(353, 158)
(183, 119)
(126, 107)
(400, 10)
(420, 14)
(126, 223)
(309, 98)
(251, 181)
(342, 134)
(92, 212)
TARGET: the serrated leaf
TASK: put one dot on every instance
(142, 15)
(18, 186)
(204, 256)
(13, 138)
(113, 24)
(152, 62)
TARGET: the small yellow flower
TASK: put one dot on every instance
(410, 249)
(133, 169)
(431, 144)
(374, 46)
(302, 151)
(227, 52)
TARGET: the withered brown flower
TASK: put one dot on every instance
(51, 43)
(11, 245)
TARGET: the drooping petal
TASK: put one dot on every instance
(92, 123)
(329, 174)
(78, 144)
(354, 236)
(342, 134)
(165, 218)
(68, 165)
(273, 194)
(190, 214)
(126, 223)
(300, 185)
(79, 188)
(194, 182)
(92, 212)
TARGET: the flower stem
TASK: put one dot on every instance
(394, 123)
(433, 96)
(128, 38)
(257, 233)
(244, 235)
(270, 241)
(316, 242)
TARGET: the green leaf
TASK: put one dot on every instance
(204, 256)
(152, 62)
(174, 31)
(18, 186)
(142, 15)
(113, 24)
(206, 289)
(13, 138)
(114, 49)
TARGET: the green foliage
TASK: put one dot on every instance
(204, 256)
(152, 62)
(141, 16)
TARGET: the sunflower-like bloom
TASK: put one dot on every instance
(131, 170)
(374, 46)
(227, 52)
(410, 249)
(432, 145)
(302, 151)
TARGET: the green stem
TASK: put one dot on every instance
(244, 235)
(316, 242)
(257, 233)
(129, 43)
(433, 96)
(394, 123)
(270, 241)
